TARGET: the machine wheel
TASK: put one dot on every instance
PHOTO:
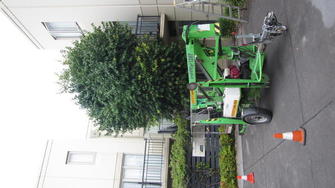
(255, 116)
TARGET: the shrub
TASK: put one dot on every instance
(239, 3)
(125, 82)
(227, 161)
(178, 162)
(227, 27)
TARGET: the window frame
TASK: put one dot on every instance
(54, 32)
(69, 153)
(136, 181)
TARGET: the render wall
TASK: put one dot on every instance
(28, 15)
(105, 173)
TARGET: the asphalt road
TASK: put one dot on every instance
(301, 66)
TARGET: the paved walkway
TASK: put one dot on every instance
(301, 65)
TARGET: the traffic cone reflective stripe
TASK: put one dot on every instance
(296, 136)
(288, 136)
(249, 177)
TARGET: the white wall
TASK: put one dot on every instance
(105, 173)
(32, 19)
(30, 14)
(30, 3)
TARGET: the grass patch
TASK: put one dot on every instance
(227, 161)
(178, 163)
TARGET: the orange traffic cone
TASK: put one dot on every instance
(296, 136)
(249, 177)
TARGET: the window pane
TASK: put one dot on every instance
(151, 186)
(132, 174)
(131, 185)
(63, 30)
(134, 161)
(133, 168)
(66, 35)
(62, 26)
(77, 157)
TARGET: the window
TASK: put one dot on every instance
(80, 157)
(131, 24)
(63, 30)
(133, 170)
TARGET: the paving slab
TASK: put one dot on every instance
(314, 50)
(300, 65)
(320, 146)
(282, 97)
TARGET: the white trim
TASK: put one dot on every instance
(118, 169)
(45, 163)
(6, 11)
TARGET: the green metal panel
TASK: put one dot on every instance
(221, 120)
(200, 54)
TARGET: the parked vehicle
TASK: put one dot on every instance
(225, 81)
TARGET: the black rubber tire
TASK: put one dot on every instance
(256, 116)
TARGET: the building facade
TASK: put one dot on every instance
(105, 163)
(53, 24)
(137, 159)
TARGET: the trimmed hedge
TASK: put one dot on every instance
(178, 163)
(227, 161)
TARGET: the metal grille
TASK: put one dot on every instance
(206, 175)
(153, 163)
(148, 25)
(215, 8)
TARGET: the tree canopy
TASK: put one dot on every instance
(123, 81)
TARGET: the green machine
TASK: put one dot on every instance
(225, 81)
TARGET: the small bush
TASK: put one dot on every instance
(227, 161)
(238, 3)
(227, 27)
(178, 162)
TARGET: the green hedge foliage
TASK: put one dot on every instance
(123, 81)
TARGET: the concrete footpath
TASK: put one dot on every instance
(301, 66)
(239, 156)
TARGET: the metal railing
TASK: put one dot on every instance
(153, 163)
(148, 25)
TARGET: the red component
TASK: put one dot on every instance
(234, 71)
